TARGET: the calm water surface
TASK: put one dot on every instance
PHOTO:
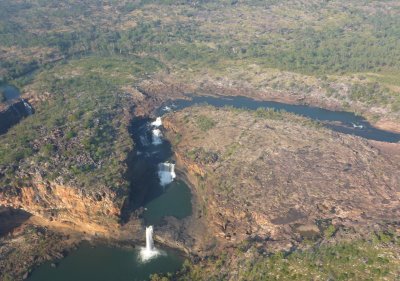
(104, 263)
(10, 92)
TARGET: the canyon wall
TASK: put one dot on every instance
(95, 212)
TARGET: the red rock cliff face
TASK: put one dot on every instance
(97, 212)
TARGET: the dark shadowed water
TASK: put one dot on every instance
(146, 190)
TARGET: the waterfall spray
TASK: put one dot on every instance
(166, 173)
(156, 135)
(149, 238)
(149, 252)
(157, 123)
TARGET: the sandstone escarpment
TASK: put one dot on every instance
(281, 177)
(97, 211)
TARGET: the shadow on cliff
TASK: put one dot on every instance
(11, 219)
(14, 114)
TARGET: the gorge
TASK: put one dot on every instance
(157, 183)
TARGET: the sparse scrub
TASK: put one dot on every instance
(205, 123)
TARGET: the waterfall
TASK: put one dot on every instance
(156, 134)
(149, 252)
(28, 107)
(149, 238)
(166, 173)
(157, 123)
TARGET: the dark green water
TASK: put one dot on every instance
(104, 263)
(175, 201)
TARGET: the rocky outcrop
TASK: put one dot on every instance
(283, 178)
(11, 115)
(150, 94)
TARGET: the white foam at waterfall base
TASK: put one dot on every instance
(149, 252)
(157, 123)
(157, 137)
(166, 173)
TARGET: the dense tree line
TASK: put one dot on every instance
(370, 44)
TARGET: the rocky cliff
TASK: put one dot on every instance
(93, 212)
(11, 115)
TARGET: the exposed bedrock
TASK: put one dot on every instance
(11, 115)
(282, 178)
(97, 211)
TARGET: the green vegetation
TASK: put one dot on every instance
(356, 260)
(273, 114)
(329, 231)
(270, 113)
(231, 149)
(77, 134)
(205, 123)
(374, 93)
(307, 41)
(79, 57)
(220, 38)
(200, 155)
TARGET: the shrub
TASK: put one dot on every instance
(205, 123)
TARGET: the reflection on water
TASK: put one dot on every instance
(175, 201)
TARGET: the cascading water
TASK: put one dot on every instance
(156, 135)
(28, 108)
(149, 252)
(149, 238)
(166, 173)
(157, 123)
